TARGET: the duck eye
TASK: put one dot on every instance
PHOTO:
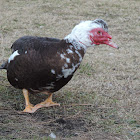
(99, 32)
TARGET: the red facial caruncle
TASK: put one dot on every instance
(99, 36)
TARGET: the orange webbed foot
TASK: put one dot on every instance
(47, 103)
(29, 108)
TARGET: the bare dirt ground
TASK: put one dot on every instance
(102, 101)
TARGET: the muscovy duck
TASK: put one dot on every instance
(40, 64)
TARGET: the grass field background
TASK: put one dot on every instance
(102, 101)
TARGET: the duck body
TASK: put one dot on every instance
(42, 64)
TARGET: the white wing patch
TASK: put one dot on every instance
(62, 56)
(59, 76)
(69, 51)
(67, 72)
(48, 86)
(52, 71)
(67, 60)
(66, 65)
(80, 56)
(13, 56)
(16, 79)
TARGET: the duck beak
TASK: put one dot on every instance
(110, 42)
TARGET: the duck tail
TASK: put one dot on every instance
(4, 65)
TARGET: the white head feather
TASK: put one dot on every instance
(81, 31)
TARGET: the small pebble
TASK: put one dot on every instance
(111, 53)
(41, 27)
(52, 135)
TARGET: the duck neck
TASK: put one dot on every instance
(76, 43)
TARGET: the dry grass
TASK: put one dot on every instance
(108, 79)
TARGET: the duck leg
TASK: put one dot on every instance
(47, 103)
(29, 106)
